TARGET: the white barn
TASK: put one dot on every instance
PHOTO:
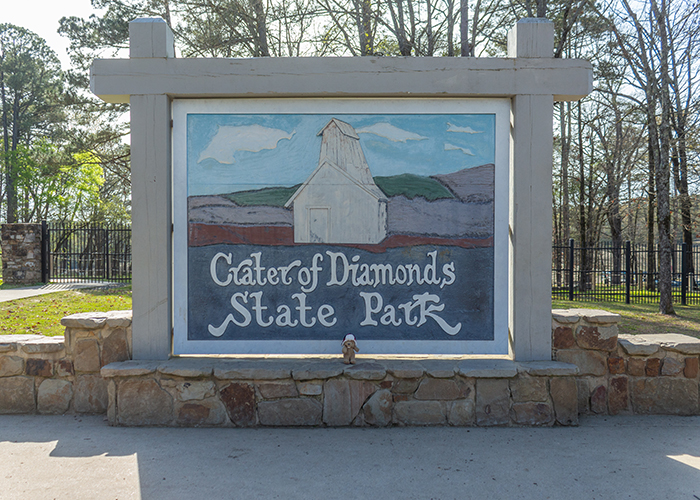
(339, 202)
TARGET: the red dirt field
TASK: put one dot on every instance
(205, 234)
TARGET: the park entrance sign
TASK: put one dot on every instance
(279, 204)
(297, 222)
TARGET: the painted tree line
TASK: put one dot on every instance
(626, 164)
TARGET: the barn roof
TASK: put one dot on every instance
(341, 150)
(345, 128)
(370, 188)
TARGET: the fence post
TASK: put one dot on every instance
(45, 248)
(105, 269)
(628, 269)
(571, 269)
(684, 273)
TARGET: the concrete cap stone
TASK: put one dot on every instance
(12, 342)
(637, 345)
(321, 369)
(684, 344)
(548, 369)
(43, 344)
(131, 368)
(187, 367)
(89, 320)
(597, 316)
(116, 319)
(404, 368)
(565, 316)
(253, 369)
(488, 368)
(365, 371)
(440, 368)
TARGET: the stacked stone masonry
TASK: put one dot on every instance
(21, 253)
(56, 375)
(596, 371)
(325, 392)
(626, 374)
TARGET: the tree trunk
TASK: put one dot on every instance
(663, 172)
(541, 8)
(651, 208)
(261, 28)
(9, 184)
(429, 28)
(11, 173)
(464, 28)
(585, 266)
(450, 28)
(614, 172)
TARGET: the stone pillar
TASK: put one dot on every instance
(530, 248)
(21, 254)
(151, 200)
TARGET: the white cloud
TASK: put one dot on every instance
(253, 138)
(465, 130)
(390, 132)
(452, 147)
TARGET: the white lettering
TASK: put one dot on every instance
(448, 270)
(259, 308)
(285, 319)
(369, 310)
(285, 270)
(389, 316)
(272, 276)
(314, 273)
(212, 269)
(325, 312)
(303, 308)
(258, 268)
(334, 268)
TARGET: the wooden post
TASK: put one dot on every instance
(151, 202)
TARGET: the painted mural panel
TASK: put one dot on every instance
(310, 226)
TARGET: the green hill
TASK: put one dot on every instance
(408, 185)
(411, 186)
(272, 196)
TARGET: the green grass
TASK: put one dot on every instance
(42, 314)
(411, 185)
(639, 319)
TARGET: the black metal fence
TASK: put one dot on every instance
(79, 252)
(627, 273)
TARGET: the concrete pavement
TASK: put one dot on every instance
(32, 291)
(71, 457)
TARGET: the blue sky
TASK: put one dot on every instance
(231, 152)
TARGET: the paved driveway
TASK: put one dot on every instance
(69, 457)
(33, 291)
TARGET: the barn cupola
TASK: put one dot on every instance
(341, 146)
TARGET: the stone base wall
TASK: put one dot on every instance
(627, 374)
(325, 392)
(596, 371)
(57, 375)
(21, 253)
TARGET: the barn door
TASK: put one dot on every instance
(319, 225)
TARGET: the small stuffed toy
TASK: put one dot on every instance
(349, 349)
